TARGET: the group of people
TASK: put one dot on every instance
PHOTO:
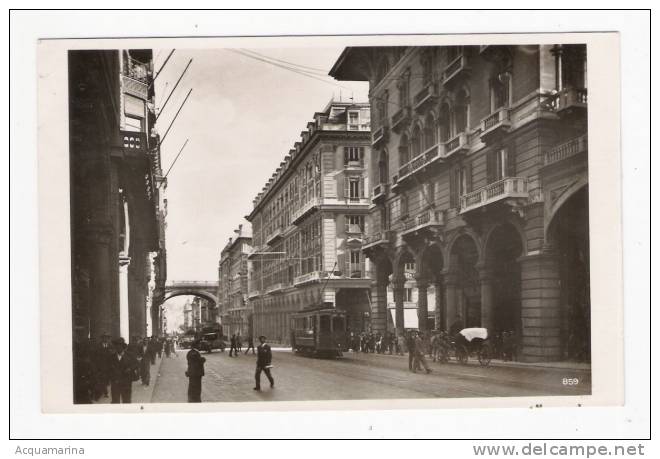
(195, 370)
(378, 343)
(236, 345)
(115, 364)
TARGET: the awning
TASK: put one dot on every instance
(410, 319)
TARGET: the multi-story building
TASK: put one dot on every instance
(117, 185)
(480, 183)
(308, 224)
(187, 316)
(234, 308)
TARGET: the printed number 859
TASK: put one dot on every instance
(570, 381)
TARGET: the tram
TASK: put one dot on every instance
(319, 331)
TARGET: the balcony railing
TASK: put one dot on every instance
(566, 150)
(137, 70)
(570, 98)
(418, 162)
(254, 293)
(427, 94)
(379, 135)
(276, 234)
(135, 87)
(401, 118)
(458, 144)
(378, 192)
(510, 187)
(454, 68)
(425, 220)
(495, 122)
(309, 207)
(314, 276)
(379, 238)
(274, 288)
(356, 164)
(359, 127)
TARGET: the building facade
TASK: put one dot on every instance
(308, 225)
(480, 184)
(234, 308)
(117, 201)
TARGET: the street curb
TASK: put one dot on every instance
(154, 380)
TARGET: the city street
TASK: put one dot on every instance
(359, 376)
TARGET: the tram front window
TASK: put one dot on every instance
(325, 323)
(338, 323)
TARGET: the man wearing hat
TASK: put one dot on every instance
(194, 373)
(104, 352)
(123, 371)
(264, 359)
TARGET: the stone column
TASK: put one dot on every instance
(486, 283)
(397, 289)
(540, 307)
(124, 331)
(101, 293)
(379, 302)
(422, 303)
(450, 281)
(440, 313)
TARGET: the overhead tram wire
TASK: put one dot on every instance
(160, 112)
(282, 61)
(176, 158)
(163, 66)
(175, 117)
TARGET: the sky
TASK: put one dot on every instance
(241, 119)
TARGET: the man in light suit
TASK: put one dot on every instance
(264, 359)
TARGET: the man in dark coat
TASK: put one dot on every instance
(194, 373)
(264, 359)
(250, 345)
(145, 353)
(103, 354)
(123, 368)
(232, 347)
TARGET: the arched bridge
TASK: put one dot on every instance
(204, 289)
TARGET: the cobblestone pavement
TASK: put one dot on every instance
(358, 376)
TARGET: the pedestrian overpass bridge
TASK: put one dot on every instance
(204, 289)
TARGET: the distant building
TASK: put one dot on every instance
(187, 316)
(480, 185)
(309, 222)
(234, 309)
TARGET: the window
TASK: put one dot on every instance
(429, 132)
(460, 183)
(353, 121)
(404, 206)
(500, 91)
(404, 89)
(404, 153)
(355, 264)
(408, 295)
(500, 164)
(445, 131)
(416, 143)
(427, 194)
(427, 66)
(354, 188)
(353, 155)
(133, 124)
(461, 112)
(354, 224)
(382, 167)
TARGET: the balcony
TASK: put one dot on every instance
(401, 119)
(135, 87)
(133, 143)
(379, 239)
(274, 288)
(508, 188)
(426, 95)
(496, 123)
(566, 150)
(274, 236)
(454, 69)
(418, 163)
(357, 164)
(458, 144)
(307, 209)
(425, 221)
(378, 192)
(570, 100)
(308, 278)
(379, 135)
(254, 294)
(358, 127)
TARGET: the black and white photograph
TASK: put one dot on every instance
(301, 224)
(333, 224)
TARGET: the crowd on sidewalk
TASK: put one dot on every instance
(108, 368)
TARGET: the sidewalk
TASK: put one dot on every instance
(140, 393)
(575, 366)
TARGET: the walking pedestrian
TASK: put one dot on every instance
(410, 344)
(123, 371)
(153, 349)
(145, 362)
(419, 354)
(102, 360)
(264, 363)
(239, 343)
(232, 346)
(194, 373)
(250, 345)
